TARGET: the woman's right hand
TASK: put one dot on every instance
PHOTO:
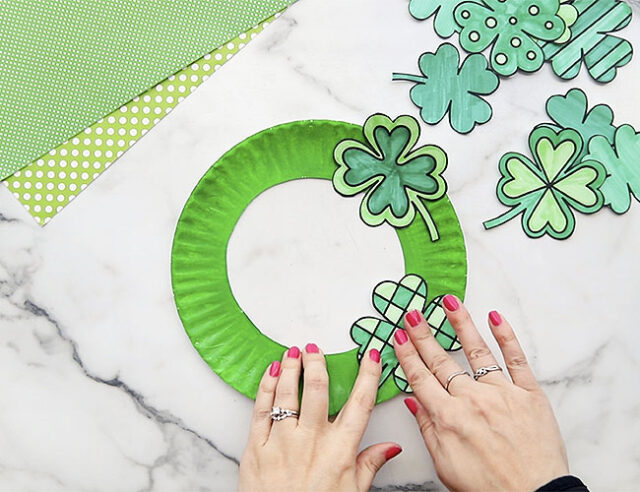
(495, 433)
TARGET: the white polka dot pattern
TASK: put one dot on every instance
(49, 183)
(65, 64)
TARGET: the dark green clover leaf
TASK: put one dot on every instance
(591, 42)
(546, 189)
(513, 28)
(395, 177)
(447, 88)
(443, 22)
(392, 300)
(572, 111)
(622, 164)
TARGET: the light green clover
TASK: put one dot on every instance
(396, 178)
(545, 190)
(513, 28)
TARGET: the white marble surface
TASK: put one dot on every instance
(100, 389)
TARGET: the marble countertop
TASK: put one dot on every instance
(100, 388)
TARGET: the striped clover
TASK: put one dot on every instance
(392, 300)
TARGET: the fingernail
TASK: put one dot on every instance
(450, 302)
(411, 405)
(413, 318)
(293, 352)
(494, 318)
(274, 369)
(400, 337)
(311, 348)
(374, 355)
(392, 452)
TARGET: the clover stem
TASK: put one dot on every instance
(505, 217)
(428, 220)
(405, 76)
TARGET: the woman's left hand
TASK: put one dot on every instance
(310, 453)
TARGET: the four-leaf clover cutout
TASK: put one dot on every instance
(392, 300)
(546, 189)
(445, 87)
(394, 176)
(513, 28)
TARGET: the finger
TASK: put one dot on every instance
(287, 389)
(476, 350)
(512, 352)
(261, 419)
(425, 386)
(315, 393)
(371, 459)
(438, 361)
(425, 423)
(354, 416)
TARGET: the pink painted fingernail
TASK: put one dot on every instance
(413, 318)
(293, 352)
(411, 405)
(392, 452)
(374, 355)
(400, 337)
(311, 348)
(494, 318)
(274, 369)
(450, 302)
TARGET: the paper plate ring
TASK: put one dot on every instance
(222, 334)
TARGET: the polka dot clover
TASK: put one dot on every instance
(513, 29)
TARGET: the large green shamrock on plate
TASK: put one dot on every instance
(572, 111)
(591, 42)
(392, 300)
(545, 190)
(623, 167)
(514, 27)
(443, 22)
(446, 87)
(396, 178)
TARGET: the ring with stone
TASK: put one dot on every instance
(483, 371)
(278, 413)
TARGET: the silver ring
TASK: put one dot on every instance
(455, 375)
(483, 371)
(278, 413)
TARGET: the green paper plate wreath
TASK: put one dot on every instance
(220, 331)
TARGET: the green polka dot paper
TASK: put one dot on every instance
(65, 64)
(49, 183)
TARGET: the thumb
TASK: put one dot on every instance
(371, 459)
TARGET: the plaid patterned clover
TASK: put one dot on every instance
(392, 300)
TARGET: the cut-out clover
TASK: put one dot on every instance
(623, 167)
(443, 22)
(447, 87)
(513, 28)
(572, 111)
(591, 42)
(392, 300)
(546, 189)
(396, 178)
(569, 14)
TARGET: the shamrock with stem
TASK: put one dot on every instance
(395, 177)
(445, 87)
(546, 189)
